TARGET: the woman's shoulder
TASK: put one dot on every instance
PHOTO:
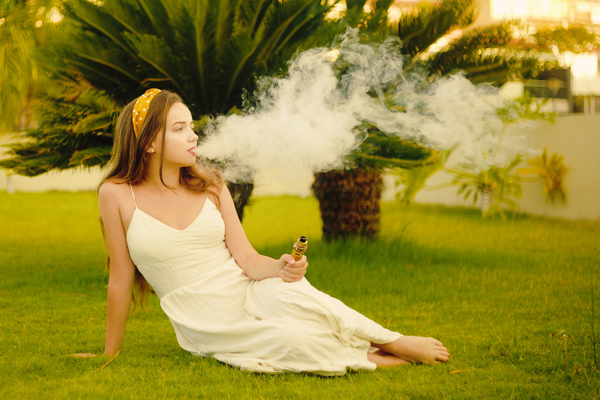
(115, 188)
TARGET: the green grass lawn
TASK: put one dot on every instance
(500, 295)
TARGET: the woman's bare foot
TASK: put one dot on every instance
(417, 349)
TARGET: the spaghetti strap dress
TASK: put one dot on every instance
(258, 326)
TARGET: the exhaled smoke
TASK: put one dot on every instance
(305, 122)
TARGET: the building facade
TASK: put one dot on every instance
(576, 89)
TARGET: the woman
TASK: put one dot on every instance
(174, 226)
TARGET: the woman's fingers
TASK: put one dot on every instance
(292, 274)
(302, 262)
(296, 269)
(287, 259)
(83, 355)
(293, 270)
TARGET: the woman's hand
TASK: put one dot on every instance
(84, 355)
(292, 270)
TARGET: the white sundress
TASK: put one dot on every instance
(259, 326)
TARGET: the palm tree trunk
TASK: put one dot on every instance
(486, 195)
(349, 203)
(10, 189)
(240, 192)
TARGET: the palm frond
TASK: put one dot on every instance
(504, 183)
(488, 54)
(419, 30)
(552, 170)
(156, 52)
(84, 113)
(95, 17)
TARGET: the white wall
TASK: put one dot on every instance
(577, 138)
(71, 180)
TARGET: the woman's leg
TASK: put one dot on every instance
(385, 360)
(416, 349)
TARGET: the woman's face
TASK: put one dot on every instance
(180, 138)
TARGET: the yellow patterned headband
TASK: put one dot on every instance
(140, 109)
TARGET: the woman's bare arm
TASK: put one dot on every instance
(254, 265)
(122, 270)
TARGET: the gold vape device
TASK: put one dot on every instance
(299, 249)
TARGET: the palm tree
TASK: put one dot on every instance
(499, 184)
(349, 198)
(502, 185)
(349, 209)
(24, 27)
(552, 170)
(208, 51)
(86, 113)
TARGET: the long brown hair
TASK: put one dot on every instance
(130, 161)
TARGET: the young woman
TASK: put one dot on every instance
(172, 225)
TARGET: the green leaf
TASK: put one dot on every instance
(91, 156)
(96, 18)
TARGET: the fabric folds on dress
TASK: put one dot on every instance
(258, 326)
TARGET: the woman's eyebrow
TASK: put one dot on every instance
(181, 122)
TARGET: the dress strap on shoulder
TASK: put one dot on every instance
(132, 195)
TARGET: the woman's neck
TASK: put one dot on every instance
(170, 177)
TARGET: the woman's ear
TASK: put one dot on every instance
(154, 145)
